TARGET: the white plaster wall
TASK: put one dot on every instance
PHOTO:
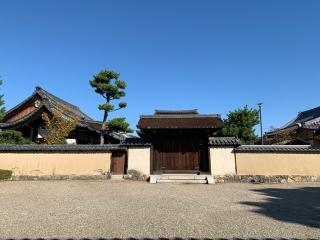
(260, 163)
(222, 160)
(139, 159)
(38, 164)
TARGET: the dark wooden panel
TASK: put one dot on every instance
(182, 153)
(118, 163)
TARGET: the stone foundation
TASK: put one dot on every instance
(255, 179)
(60, 177)
(265, 179)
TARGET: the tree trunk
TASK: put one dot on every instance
(103, 128)
(101, 138)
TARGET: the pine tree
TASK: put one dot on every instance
(110, 87)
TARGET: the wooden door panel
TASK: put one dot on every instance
(118, 163)
(176, 153)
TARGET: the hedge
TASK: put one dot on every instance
(5, 174)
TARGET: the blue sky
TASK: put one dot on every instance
(211, 55)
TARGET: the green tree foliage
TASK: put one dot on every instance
(119, 125)
(110, 87)
(2, 108)
(12, 137)
(240, 123)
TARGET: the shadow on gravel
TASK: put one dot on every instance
(300, 205)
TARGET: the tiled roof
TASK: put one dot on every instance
(224, 141)
(121, 136)
(57, 103)
(183, 119)
(52, 102)
(309, 119)
(175, 112)
(45, 104)
(312, 124)
(277, 148)
(59, 148)
(135, 141)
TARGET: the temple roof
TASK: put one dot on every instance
(182, 119)
(50, 103)
(309, 119)
(175, 112)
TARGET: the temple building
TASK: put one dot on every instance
(304, 129)
(26, 117)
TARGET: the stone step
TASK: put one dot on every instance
(189, 181)
(180, 177)
(117, 177)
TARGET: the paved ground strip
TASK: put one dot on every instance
(124, 209)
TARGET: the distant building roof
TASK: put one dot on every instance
(309, 119)
(182, 119)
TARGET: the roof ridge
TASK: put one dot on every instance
(92, 120)
(54, 96)
(310, 110)
(180, 116)
(181, 111)
(59, 101)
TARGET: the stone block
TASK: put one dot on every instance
(153, 179)
(210, 180)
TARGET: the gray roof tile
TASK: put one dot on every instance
(176, 112)
(277, 148)
(136, 142)
(59, 148)
(307, 119)
(224, 141)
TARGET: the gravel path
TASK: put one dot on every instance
(92, 209)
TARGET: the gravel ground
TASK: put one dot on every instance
(123, 209)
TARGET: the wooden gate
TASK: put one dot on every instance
(185, 154)
(118, 163)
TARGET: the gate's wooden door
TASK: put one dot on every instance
(118, 163)
(177, 154)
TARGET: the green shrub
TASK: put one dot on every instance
(12, 137)
(5, 174)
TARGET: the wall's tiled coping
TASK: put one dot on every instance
(278, 148)
(60, 148)
(224, 141)
(132, 142)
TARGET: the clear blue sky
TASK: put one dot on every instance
(212, 55)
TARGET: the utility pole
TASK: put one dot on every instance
(260, 117)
